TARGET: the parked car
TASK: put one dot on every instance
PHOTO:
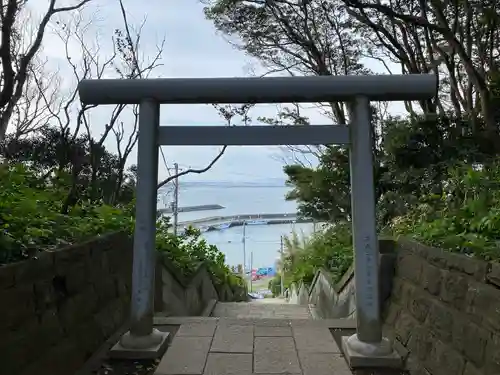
(255, 296)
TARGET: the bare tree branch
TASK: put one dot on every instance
(191, 170)
(15, 63)
(39, 102)
(228, 113)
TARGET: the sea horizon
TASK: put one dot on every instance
(263, 242)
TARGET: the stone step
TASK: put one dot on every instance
(260, 346)
(261, 310)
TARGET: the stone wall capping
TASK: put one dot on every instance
(446, 259)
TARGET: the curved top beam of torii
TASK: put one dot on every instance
(310, 89)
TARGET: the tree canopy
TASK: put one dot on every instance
(435, 164)
(457, 42)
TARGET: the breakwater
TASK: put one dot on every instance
(248, 218)
(205, 207)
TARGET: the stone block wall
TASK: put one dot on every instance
(176, 295)
(298, 294)
(338, 300)
(56, 310)
(444, 312)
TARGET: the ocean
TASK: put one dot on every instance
(237, 198)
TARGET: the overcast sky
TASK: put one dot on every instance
(192, 49)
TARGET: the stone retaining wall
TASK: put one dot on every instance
(444, 312)
(58, 309)
(441, 310)
(178, 296)
(338, 300)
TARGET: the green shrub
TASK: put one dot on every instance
(187, 250)
(274, 285)
(31, 221)
(464, 219)
(330, 249)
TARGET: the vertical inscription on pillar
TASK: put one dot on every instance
(369, 261)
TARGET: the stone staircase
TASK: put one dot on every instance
(264, 308)
(258, 337)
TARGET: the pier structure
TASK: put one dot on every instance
(205, 207)
(224, 222)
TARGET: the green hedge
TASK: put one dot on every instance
(31, 221)
(465, 219)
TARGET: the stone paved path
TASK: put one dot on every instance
(261, 308)
(254, 338)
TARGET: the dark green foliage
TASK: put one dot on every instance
(93, 173)
(52, 196)
(434, 183)
(451, 141)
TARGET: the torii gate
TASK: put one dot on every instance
(368, 343)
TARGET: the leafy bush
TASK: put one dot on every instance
(465, 218)
(330, 249)
(31, 221)
(187, 250)
(274, 284)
